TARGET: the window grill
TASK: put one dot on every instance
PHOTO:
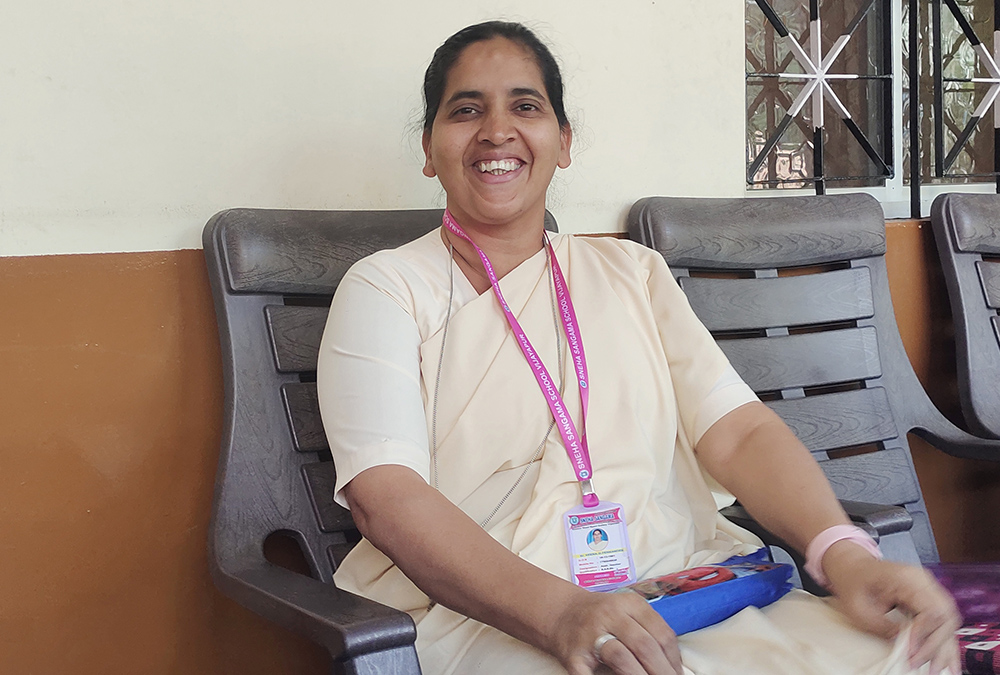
(895, 97)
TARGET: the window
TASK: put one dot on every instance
(829, 105)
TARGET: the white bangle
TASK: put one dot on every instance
(817, 548)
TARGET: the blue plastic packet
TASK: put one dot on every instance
(705, 595)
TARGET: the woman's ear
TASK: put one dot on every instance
(425, 141)
(565, 141)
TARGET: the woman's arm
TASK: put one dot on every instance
(455, 562)
(754, 455)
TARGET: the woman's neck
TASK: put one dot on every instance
(505, 246)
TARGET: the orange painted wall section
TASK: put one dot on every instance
(110, 416)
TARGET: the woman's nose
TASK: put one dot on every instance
(497, 128)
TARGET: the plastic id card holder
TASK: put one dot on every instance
(600, 556)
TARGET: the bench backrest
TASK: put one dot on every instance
(273, 275)
(795, 291)
(967, 231)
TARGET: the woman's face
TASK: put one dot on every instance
(495, 141)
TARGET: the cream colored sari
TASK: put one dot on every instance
(653, 370)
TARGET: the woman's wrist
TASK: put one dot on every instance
(533, 609)
(558, 605)
(837, 537)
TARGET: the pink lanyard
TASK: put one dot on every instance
(575, 444)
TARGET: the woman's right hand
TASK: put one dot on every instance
(866, 589)
(643, 644)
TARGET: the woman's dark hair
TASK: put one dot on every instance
(447, 54)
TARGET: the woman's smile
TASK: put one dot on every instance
(499, 167)
(497, 171)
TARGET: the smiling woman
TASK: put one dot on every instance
(440, 393)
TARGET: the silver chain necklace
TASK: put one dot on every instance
(437, 380)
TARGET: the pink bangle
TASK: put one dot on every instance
(824, 540)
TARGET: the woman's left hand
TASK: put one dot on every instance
(866, 590)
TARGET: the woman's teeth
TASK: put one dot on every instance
(499, 166)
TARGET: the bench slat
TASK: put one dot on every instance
(989, 275)
(838, 420)
(295, 335)
(741, 304)
(302, 407)
(806, 360)
(320, 478)
(882, 477)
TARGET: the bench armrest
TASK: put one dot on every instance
(930, 424)
(346, 624)
(945, 436)
(878, 520)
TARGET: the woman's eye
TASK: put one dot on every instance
(464, 110)
(527, 107)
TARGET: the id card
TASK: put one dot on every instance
(600, 557)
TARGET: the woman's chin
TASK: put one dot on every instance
(496, 213)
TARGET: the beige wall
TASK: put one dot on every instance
(125, 125)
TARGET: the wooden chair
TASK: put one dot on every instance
(967, 231)
(273, 275)
(796, 292)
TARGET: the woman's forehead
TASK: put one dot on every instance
(491, 64)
